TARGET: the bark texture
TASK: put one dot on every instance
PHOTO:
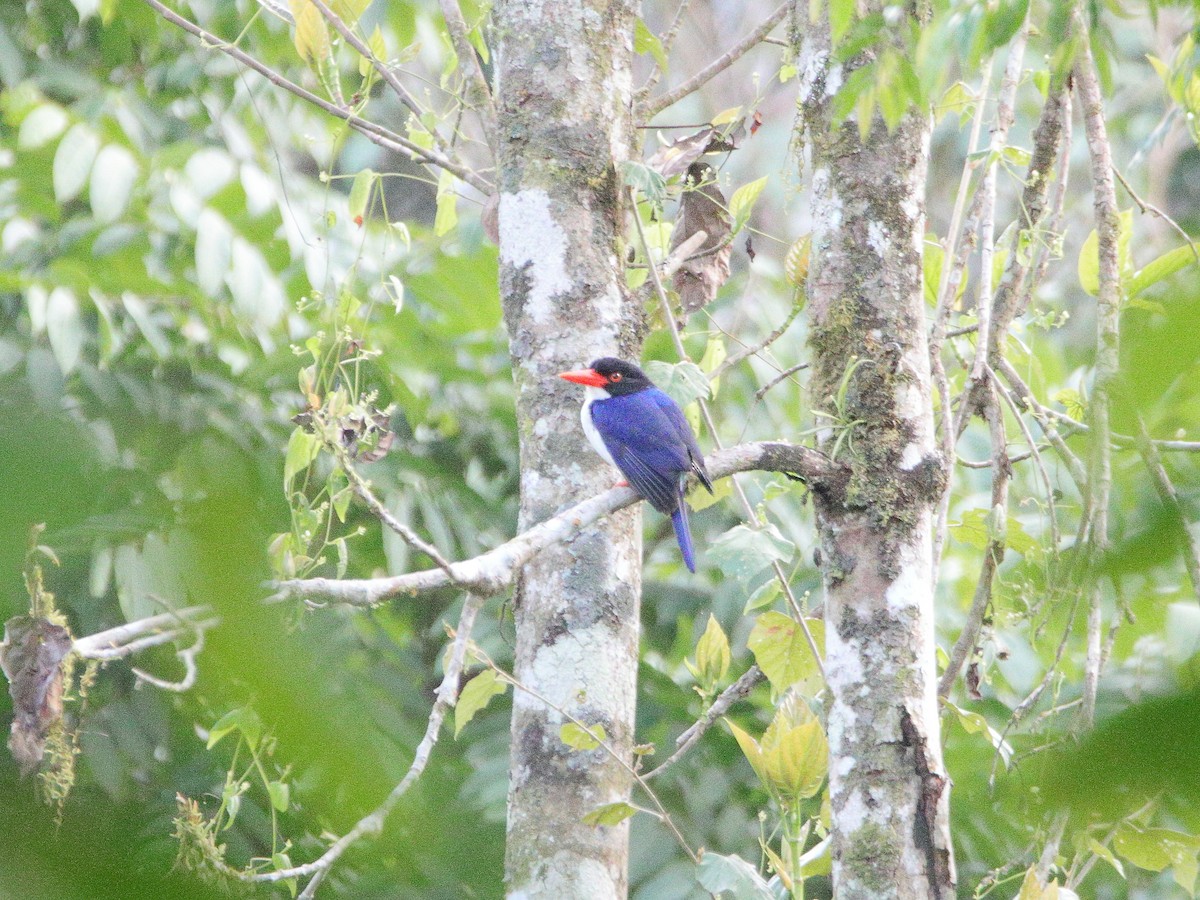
(889, 791)
(563, 105)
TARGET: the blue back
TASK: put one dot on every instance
(651, 443)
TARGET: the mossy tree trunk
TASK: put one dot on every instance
(871, 375)
(563, 96)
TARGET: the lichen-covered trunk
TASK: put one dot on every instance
(563, 102)
(871, 377)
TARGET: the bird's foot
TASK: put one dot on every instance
(621, 484)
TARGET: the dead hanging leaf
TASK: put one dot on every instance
(31, 657)
(674, 158)
(367, 437)
(702, 208)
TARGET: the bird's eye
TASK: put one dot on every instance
(614, 377)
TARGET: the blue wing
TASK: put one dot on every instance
(672, 411)
(644, 439)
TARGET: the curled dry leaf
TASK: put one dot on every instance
(31, 657)
(702, 208)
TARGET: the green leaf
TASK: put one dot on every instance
(65, 328)
(475, 696)
(1106, 854)
(712, 654)
(741, 204)
(214, 251)
(1155, 848)
(42, 125)
(795, 758)
(732, 874)
(742, 552)
(360, 193)
(113, 176)
(312, 33)
(609, 814)
(281, 794)
(578, 738)
(683, 382)
(975, 723)
(714, 354)
(841, 16)
(302, 449)
(781, 649)
(699, 498)
(763, 596)
(242, 719)
(378, 48)
(649, 183)
(73, 162)
(1089, 255)
(1159, 269)
(645, 41)
(447, 205)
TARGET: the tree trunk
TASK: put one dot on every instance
(889, 792)
(563, 95)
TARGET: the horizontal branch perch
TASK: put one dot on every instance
(493, 572)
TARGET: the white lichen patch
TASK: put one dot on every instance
(574, 668)
(531, 239)
(910, 588)
(877, 239)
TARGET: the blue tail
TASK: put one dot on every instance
(684, 535)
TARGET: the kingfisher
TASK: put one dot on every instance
(640, 430)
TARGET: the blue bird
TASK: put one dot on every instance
(642, 431)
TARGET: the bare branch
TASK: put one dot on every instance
(372, 824)
(993, 553)
(188, 657)
(363, 489)
(667, 41)
(1108, 317)
(493, 572)
(741, 688)
(651, 108)
(782, 376)
(375, 133)
(127, 639)
(1170, 498)
(1150, 207)
(479, 95)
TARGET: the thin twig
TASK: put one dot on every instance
(1108, 317)
(750, 679)
(375, 133)
(372, 823)
(188, 657)
(1145, 207)
(1170, 498)
(479, 94)
(747, 507)
(746, 352)
(381, 512)
(651, 108)
(782, 376)
(993, 553)
(667, 41)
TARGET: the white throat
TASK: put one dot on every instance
(589, 427)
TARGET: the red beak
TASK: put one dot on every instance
(590, 377)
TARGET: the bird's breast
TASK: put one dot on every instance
(589, 426)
